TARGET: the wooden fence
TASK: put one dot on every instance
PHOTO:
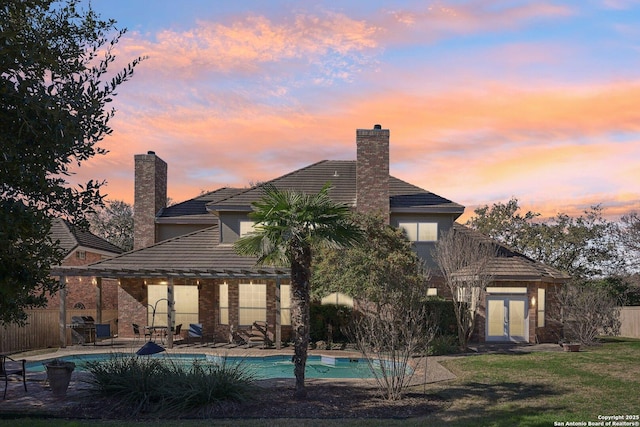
(42, 329)
(630, 320)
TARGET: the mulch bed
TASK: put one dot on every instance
(324, 401)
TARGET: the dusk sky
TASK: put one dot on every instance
(485, 100)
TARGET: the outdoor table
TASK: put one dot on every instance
(158, 330)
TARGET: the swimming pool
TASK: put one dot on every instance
(277, 366)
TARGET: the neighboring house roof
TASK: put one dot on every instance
(71, 237)
(195, 254)
(341, 175)
(196, 208)
(511, 265)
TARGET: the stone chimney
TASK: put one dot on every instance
(150, 196)
(372, 171)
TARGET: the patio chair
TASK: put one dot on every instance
(103, 332)
(136, 332)
(9, 366)
(195, 331)
(177, 332)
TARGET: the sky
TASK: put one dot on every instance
(485, 100)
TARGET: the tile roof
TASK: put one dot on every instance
(196, 208)
(513, 265)
(341, 174)
(196, 254)
(71, 237)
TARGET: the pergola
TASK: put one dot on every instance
(168, 274)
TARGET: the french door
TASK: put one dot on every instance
(507, 319)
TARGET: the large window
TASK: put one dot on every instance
(224, 304)
(420, 231)
(252, 303)
(185, 305)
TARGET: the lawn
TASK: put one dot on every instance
(543, 388)
(535, 389)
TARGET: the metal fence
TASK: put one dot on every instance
(42, 329)
(630, 322)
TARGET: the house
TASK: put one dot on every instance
(183, 254)
(81, 247)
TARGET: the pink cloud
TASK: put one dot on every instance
(248, 44)
(437, 20)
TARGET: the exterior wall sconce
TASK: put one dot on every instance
(533, 301)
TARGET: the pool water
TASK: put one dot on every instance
(262, 367)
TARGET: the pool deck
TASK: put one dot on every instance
(39, 400)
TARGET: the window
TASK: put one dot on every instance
(81, 255)
(420, 231)
(541, 306)
(246, 227)
(252, 303)
(224, 304)
(285, 304)
(185, 305)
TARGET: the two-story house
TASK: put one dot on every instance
(184, 253)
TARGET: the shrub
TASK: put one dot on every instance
(163, 387)
(338, 316)
(443, 344)
(443, 313)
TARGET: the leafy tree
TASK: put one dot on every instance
(503, 222)
(383, 263)
(390, 282)
(289, 225)
(583, 247)
(53, 112)
(464, 258)
(114, 223)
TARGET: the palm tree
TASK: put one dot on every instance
(288, 226)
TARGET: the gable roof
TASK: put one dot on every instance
(196, 254)
(71, 237)
(341, 175)
(511, 265)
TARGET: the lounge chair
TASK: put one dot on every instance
(261, 329)
(103, 332)
(9, 366)
(255, 335)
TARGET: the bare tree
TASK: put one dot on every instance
(390, 333)
(464, 258)
(629, 235)
(586, 311)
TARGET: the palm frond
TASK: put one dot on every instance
(287, 219)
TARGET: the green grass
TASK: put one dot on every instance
(540, 388)
(534, 389)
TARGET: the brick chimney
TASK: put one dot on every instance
(149, 197)
(372, 171)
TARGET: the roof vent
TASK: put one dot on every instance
(151, 152)
(377, 126)
(335, 174)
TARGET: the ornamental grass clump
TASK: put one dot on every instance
(162, 387)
